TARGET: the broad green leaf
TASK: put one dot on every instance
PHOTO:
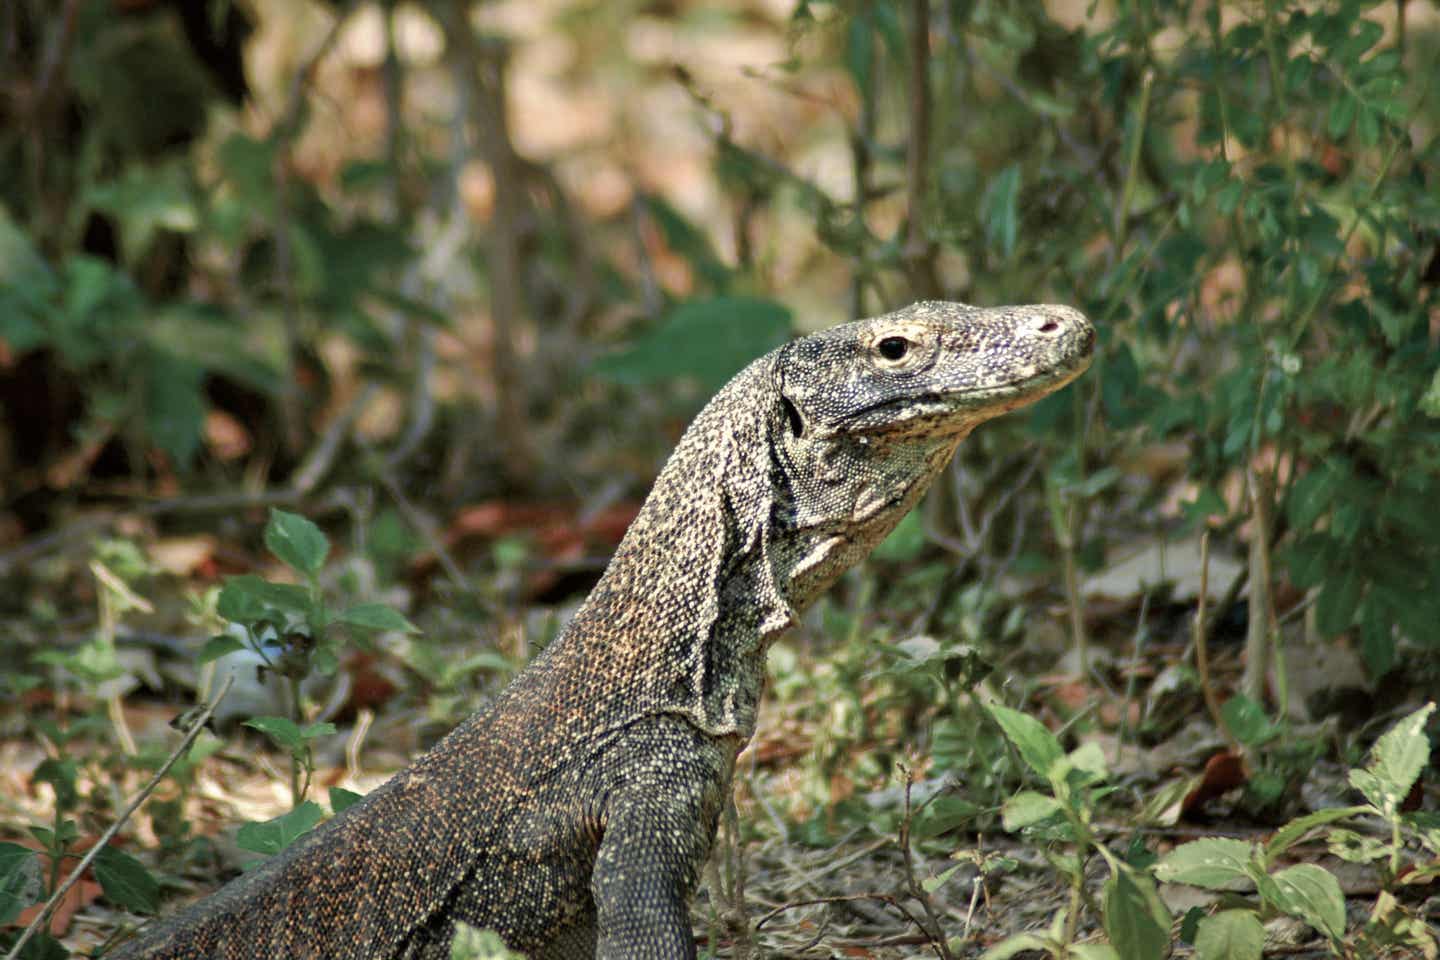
(1230, 935)
(1247, 720)
(1342, 114)
(1339, 598)
(706, 340)
(1135, 920)
(376, 616)
(468, 943)
(1018, 944)
(931, 884)
(1311, 893)
(174, 405)
(126, 882)
(1296, 829)
(1028, 808)
(321, 729)
(217, 647)
(1312, 496)
(272, 836)
(1000, 211)
(1430, 399)
(1214, 863)
(944, 814)
(144, 200)
(688, 240)
(251, 598)
(1088, 759)
(282, 730)
(60, 774)
(238, 603)
(342, 799)
(860, 51)
(1395, 763)
(16, 875)
(904, 542)
(1037, 745)
(297, 541)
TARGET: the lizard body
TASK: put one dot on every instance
(573, 816)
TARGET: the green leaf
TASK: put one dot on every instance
(145, 200)
(1290, 834)
(1342, 114)
(1016, 945)
(1000, 211)
(689, 241)
(1430, 400)
(1312, 496)
(252, 598)
(1367, 126)
(945, 814)
(126, 882)
(1313, 894)
(931, 884)
(1028, 808)
(342, 799)
(1135, 920)
(296, 541)
(468, 943)
(174, 405)
(17, 877)
(272, 836)
(217, 647)
(1396, 761)
(860, 51)
(282, 730)
(1214, 863)
(1230, 935)
(1037, 745)
(238, 602)
(707, 340)
(1088, 762)
(376, 616)
(1247, 720)
(904, 542)
(60, 774)
(323, 728)
(1207, 503)
(1339, 599)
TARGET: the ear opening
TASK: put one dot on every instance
(792, 416)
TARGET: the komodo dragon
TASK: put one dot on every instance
(574, 815)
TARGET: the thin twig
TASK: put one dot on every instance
(919, 250)
(843, 898)
(109, 834)
(934, 930)
(1202, 652)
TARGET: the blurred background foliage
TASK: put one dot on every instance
(227, 227)
(424, 270)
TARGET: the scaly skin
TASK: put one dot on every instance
(574, 815)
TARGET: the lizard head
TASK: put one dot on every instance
(868, 413)
(931, 370)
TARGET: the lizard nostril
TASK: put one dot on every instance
(1049, 326)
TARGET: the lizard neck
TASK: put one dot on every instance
(681, 619)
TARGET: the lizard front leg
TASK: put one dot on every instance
(659, 825)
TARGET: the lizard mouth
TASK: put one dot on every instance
(959, 410)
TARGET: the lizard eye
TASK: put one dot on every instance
(893, 348)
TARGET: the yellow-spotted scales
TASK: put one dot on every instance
(573, 816)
